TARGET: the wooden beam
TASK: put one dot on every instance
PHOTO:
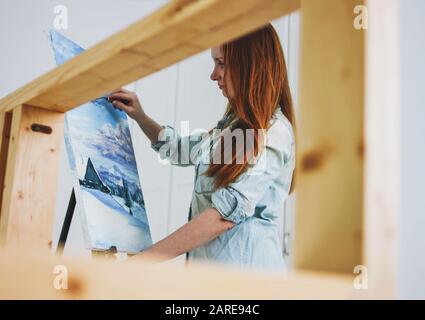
(33, 277)
(5, 127)
(30, 184)
(179, 30)
(328, 228)
(383, 161)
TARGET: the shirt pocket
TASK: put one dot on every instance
(203, 184)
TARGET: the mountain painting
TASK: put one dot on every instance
(101, 155)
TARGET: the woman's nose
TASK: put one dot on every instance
(213, 76)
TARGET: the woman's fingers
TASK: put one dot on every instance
(126, 101)
(121, 106)
(125, 93)
(122, 96)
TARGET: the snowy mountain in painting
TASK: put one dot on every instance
(115, 142)
(64, 49)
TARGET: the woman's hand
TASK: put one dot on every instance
(128, 102)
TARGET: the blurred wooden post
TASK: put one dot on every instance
(383, 134)
(30, 178)
(328, 221)
(32, 276)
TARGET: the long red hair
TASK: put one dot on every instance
(256, 66)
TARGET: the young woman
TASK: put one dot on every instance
(235, 203)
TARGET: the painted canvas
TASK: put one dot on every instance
(101, 155)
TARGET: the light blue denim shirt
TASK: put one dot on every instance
(252, 202)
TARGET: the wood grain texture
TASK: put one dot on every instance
(29, 195)
(33, 277)
(383, 150)
(179, 30)
(330, 138)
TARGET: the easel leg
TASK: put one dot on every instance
(66, 223)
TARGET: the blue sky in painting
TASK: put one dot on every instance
(64, 48)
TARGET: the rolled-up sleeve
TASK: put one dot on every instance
(178, 150)
(237, 201)
(232, 204)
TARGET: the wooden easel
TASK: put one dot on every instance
(342, 215)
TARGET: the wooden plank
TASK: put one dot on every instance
(29, 195)
(8, 170)
(383, 134)
(176, 31)
(5, 127)
(33, 277)
(330, 141)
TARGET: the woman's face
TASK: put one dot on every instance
(218, 73)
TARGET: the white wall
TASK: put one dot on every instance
(412, 219)
(182, 92)
(24, 26)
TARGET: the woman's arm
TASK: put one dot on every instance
(129, 102)
(178, 150)
(150, 128)
(202, 229)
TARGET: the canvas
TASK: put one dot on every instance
(101, 156)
